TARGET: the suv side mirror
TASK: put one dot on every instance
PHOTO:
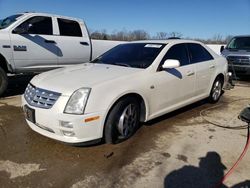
(20, 30)
(171, 63)
(222, 48)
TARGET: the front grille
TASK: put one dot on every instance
(240, 60)
(40, 98)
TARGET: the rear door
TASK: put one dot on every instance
(205, 67)
(74, 44)
(36, 49)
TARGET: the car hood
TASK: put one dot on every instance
(67, 80)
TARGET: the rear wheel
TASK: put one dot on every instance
(3, 81)
(122, 121)
(216, 90)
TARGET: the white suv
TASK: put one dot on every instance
(131, 83)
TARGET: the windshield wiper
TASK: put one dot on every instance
(96, 61)
(120, 64)
(232, 49)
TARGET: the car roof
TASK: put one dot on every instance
(168, 41)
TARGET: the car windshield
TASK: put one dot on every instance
(136, 55)
(239, 43)
(8, 21)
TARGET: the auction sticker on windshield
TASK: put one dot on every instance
(153, 45)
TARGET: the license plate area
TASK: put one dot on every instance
(29, 114)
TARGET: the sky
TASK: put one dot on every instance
(192, 18)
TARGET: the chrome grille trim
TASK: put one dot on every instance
(40, 98)
(241, 60)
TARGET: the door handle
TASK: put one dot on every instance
(190, 73)
(50, 41)
(84, 43)
(212, 66)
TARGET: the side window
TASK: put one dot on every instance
(198, 53)
(40, 25)
(178, 52)
(69, 28)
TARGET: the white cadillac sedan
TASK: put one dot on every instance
(131, 83)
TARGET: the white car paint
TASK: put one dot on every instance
(161, 91)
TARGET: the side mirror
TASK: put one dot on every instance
(22, 29)
(171, 63)
(222, 48)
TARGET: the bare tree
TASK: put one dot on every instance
(217, 39)
(228, 38)
(125, 35)
(175, 34)
(138, 35)
(161, 35)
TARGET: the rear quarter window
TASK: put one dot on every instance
(198, 53)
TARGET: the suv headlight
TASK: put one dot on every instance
(77, 102)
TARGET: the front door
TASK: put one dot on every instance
(174, 87)
(36, 49)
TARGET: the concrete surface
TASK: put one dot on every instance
(180, 149)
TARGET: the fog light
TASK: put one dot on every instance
(66, 124)
(68, 133)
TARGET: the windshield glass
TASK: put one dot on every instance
(239, 43)
(8, 21)
(136, 55)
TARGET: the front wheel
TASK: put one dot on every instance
(122, 121)
(216, 91)
(3, 81)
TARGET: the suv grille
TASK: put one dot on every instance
(40, 98)
(240, 60)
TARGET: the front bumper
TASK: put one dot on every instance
(228, 84)
(48, 122)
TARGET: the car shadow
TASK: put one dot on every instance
(209, 173)
(52, 47)
(17, 85)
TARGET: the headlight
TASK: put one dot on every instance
(77, 101)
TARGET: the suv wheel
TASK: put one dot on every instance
(3, 81)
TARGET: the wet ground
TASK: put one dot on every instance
(180, 149)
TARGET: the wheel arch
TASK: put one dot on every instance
(221, 77)
(3, 63)
(142, 103)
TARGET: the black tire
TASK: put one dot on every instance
(216, 90)
(3, 81)
(119, 115)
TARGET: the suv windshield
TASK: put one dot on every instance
(8, 21)
(239, 43)
(136, 55)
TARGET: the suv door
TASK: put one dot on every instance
(205, 67)
(174, 87)
(75, 47)
(35, 49)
